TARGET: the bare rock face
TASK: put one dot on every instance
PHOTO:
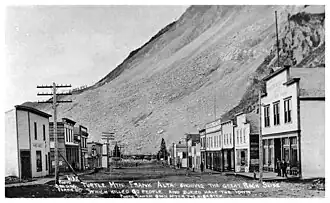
(205, 65)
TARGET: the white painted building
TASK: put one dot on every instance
(246, 142)
(213, 145)
(228, 144)
(26, 142)
(293, 120)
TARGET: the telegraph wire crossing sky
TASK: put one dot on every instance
(75, 45)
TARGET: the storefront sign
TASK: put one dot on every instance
(37, 145)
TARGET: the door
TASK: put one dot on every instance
(277, 148)
(26, 164)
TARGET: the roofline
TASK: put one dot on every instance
(275, 73)
(219, 119)
(69, 120)
(238, 114)
(291, 81)
(33, 110)
(315, 98)
(202, 130)
(228, 121)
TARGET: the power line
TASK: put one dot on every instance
(55, 104)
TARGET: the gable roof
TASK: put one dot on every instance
(32, 110)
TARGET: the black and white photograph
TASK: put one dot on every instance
(164, 100)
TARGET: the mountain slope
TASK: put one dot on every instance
(212, 54)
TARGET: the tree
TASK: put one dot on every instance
(162, 153)
(116, 151)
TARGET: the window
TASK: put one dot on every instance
(237, 141)
(240, 135)
(276, 113)
(230, 139)
(266, 115)
(39, 161)
(287, 111)
(35, 131)
(66, 134)
(244, 136)
(44, 131)
(46, 162)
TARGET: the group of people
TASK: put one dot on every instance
(281, 168)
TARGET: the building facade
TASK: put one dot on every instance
(214, 160)
(95, 151)
(246, 142)
(228, 145)
(81, 134)
(193, 155)
(293, 120)
(27, 149)
(68, 145)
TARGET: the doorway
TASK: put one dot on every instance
(26, 164)
(277, 148)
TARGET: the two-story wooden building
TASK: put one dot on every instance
(193, 144)
(293, 120)
(246, 142)
(95, 151)
(81, 134)
(214, 145)
(27, 149)
(68, 145)
(228, 144)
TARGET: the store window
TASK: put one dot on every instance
(266, 116)
(242, 158)
(39, 161)
(287, 110)
(276, 113)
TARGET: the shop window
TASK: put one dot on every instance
(294, 157)
(184, 155)
(266, 116)
(242, 158)
(286, 153)
(287, 110)
(38, 161)
(293, 141)
(276, 113)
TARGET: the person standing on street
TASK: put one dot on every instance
(202, 166)
(284, 166)
(278, 166)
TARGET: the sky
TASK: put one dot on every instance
(75, 45)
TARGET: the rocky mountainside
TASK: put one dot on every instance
(207, 64)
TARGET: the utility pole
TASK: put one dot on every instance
(215, 111)
(277, 44)
(108, 136)
(55, 103)
(260, 142)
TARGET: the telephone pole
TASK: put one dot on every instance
(260, 142)
(277, 43)
(55, 103)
